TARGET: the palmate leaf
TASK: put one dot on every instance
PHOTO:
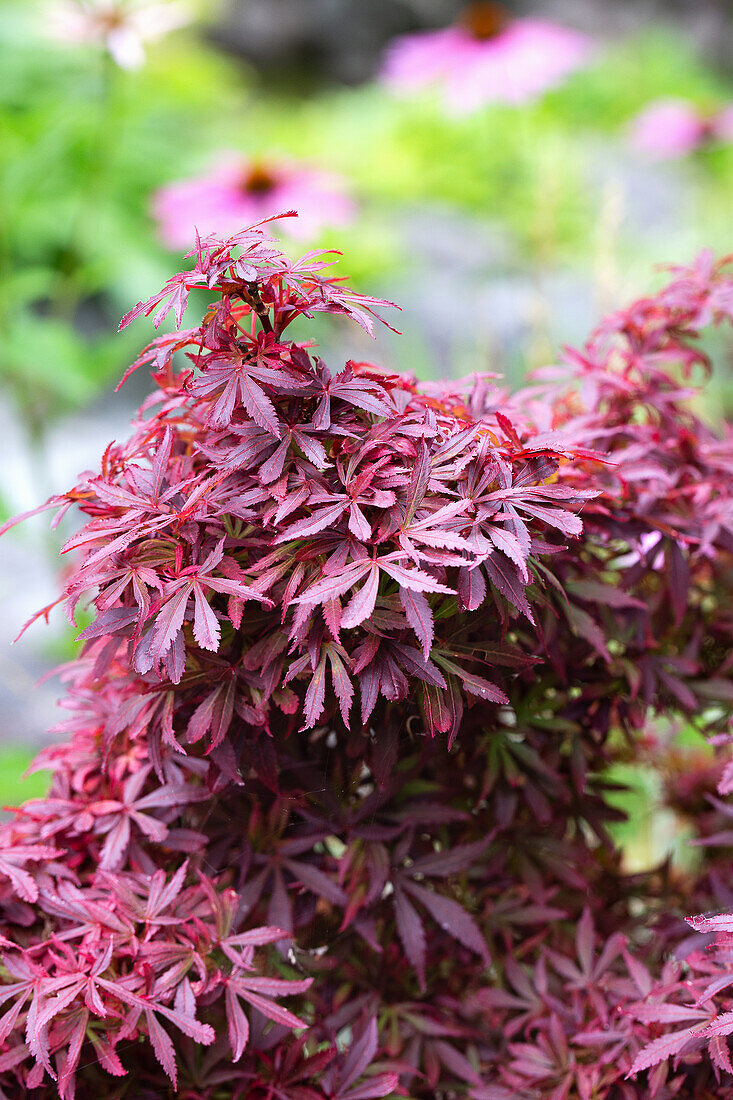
(471, 588)
(510, 545)
(206, 629)
(316, 692)
(213, 715)
(507, 579)
(452, 918)
(256, 992)
(666, 1013)
(586, 627)
(411, 932)
(173, 296)
(12, 867)
(313, 524)
(315, 696)
(446, 912)
(459, 858)
(341, 1077)
(259, 406)
(719, 1052)
(420, 617)
(666, 1046)
(162, 1044)
(361, 605)
(473, 684)
(414, 580)
(335, 585)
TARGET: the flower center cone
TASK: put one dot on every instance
(110, 20)
(259, 180)
(484, 20)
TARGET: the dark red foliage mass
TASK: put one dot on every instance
(332, 819)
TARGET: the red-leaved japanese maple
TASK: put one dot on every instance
(331, 819)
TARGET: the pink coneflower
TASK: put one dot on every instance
(487, 57)
(241, 192)
(669, 128)
(121, 27)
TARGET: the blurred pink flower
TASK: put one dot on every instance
(487, 57)
(119, 26)
(241, 192)
(670, 128)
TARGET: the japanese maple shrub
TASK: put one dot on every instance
(332, 816)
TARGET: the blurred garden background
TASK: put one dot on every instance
(506, 174)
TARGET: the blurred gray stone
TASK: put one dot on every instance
(29, 562)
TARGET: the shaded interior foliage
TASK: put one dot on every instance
(331, 816)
